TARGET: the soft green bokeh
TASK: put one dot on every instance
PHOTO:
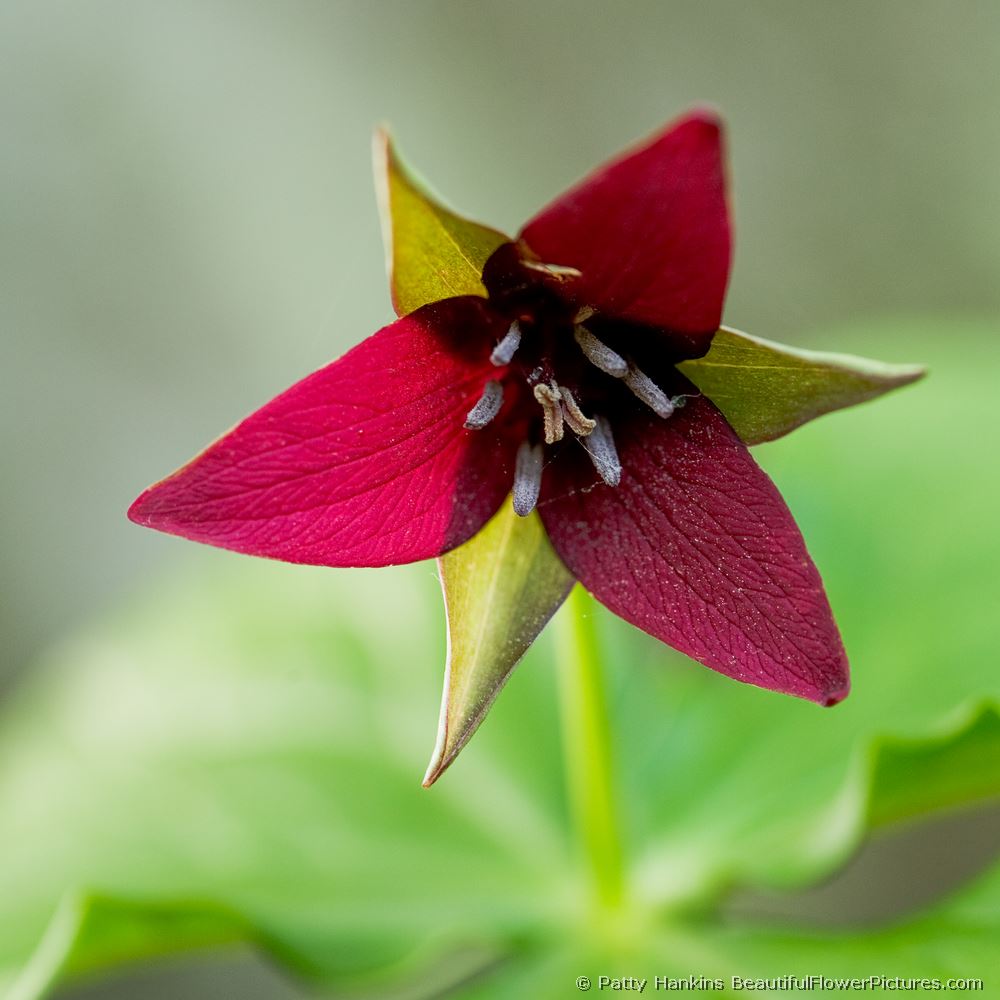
(189, 226)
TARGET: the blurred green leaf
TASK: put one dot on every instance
(767, 389)
(431, 252)
(916, 777)
(500, 590)
(88, 933)
(245, 741)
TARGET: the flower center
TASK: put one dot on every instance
(572, 374)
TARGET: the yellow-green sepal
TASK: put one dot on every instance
(431, 252)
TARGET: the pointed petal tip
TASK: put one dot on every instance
(824, 695)
(134, 512)
(705, 115)
(151, 509)
(649, 231)
(836, 695)
(140, 512)
(831, 686)
(835, 688)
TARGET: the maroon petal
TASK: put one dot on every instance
(649, 232)
(697, 548)
(364, 463)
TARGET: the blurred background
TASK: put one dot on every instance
(189, 223)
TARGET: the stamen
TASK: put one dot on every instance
(649, 392)
(558, 271)
(487, 408)
(527, 478)
(549, 397)
(583, 314)
(504, 352)
(599, 354)
(601, 448)
(574, 416)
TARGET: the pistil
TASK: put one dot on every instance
(578, 422)
(550, 397)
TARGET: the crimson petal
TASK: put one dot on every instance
(649, 233)
(697, 548)
(364, 463)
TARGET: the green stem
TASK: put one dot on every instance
(587, 750)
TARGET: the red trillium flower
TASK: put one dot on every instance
(559, 388)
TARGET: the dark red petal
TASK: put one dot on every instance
(697, 548)
(363, 463)
(649, 232)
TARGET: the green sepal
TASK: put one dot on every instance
(431, 252)
(500, 590)
(766, 389)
